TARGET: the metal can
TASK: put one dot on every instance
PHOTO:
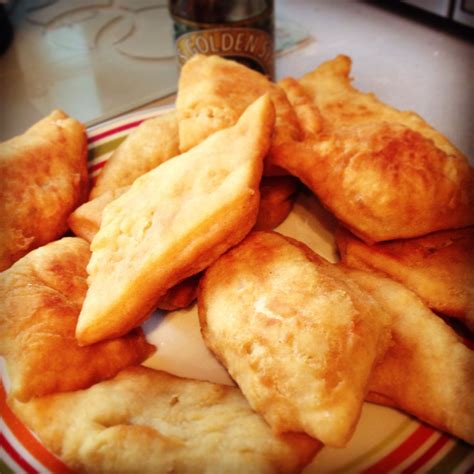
(242, 30)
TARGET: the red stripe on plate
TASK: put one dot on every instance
(28, 441)
(427, 455)
(97, 166)
(402, 452)
(10, 450)
(114, 130)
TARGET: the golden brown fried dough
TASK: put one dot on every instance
(172, 223)
(213, 92)
(145, 421)
(385, 174)
(309, 117)
(180, 295)
(341, 105)
(384, 181)
(40, 299)
(154, 141)
(299, 340)
(43, 179)
(85, 222)
(277, 195)
(86, 219)
(427, 371)
(438, 267)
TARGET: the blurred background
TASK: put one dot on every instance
(97, 59)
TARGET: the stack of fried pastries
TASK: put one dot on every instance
(182, 210)
(438, 267)
(427, 369)
(307, 341)
(288, 332)
(41, 296)
(172, 223)
(384, 173)
(213, 93)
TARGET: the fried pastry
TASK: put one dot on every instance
(172, 223)
(154, 141)
(40, 299)
(385, 174)
(384, 181)
(44, 178)
(145, 421)
(341, 105)
(85, 220)
(213, 92)
(180, 295)
(309, 117)
(438, 267)
(427, 370)
(288, 326)
(277, 195)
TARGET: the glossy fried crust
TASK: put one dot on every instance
(145, 421)
(213, 92)
(340, 104)
(385, 174)
(154, 141)
(277, 195)
(309, 117)
(385, 181)
(438, 267)
(86, 219)
(289, 328)
(43, 179)
(427, 371)
(180, 295)
(172, 223)
(85, 222)
(40, 299)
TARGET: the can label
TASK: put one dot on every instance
(248, 45)
(248, 41)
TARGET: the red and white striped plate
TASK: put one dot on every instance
(386, 441)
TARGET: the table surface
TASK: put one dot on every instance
(409, 63)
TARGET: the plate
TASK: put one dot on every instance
(385, 441)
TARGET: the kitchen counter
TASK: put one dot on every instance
(410, 64)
